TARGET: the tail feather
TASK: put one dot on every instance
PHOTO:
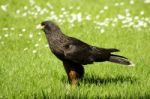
(119, 56)
(120, 60)
(112, 50)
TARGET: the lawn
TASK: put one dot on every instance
(29, 70)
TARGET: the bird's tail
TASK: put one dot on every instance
(120, 60)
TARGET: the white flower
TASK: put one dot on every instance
(120, 17)
(124, 21)
(136, 17)
(140, 23)
(102, 11)
(34, 51)
(128, 14)
(52, 12)
(54, 17)
(145, 25)
(46, 45)
(40, 39)
(131, 2)
(12, 28)
(24, 14)
(131, 23)
(62, 9)
(97, 16)
(121, 3)
(36, 45)
(127, 10)
(105, 7)
(23, 30)
(107, 19)
(20, 34)
(88, 17)
(25, 49)
(79, 17)
(49, 5)
(129, 19)
(41, 13)
(73, 18)
(147, 1)
(101, 23)
(5, 29)
(146, 19)
(71, 7)
(115, 20)
(116, 4)
(142, 12)
(102, 30)
(59, 20)
(65, 12)
(25, 7)
(39, 33)
(38, 8)
(32, 2)
(6, 35)
(30, 35)
(61, 16)
(46, 10)
(4, 7)
(18, 12)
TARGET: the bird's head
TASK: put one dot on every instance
(48, 27)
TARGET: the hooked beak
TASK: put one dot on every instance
(39, 26)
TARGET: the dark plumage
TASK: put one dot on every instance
(75, 53)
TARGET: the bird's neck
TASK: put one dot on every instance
(55, 36)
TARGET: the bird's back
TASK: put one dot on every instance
(72, 49)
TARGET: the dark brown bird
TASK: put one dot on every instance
(75, 53)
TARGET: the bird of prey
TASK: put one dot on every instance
(74, 53)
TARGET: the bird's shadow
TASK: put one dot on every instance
(96, 80)
(106, 80)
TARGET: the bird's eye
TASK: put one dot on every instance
(47, 27)
(42, 24)
(66, 46)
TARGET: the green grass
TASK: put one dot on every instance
(24, 74)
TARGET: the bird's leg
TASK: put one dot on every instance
(74, 72)
(73, 77)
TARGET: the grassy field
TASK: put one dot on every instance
(29, 70)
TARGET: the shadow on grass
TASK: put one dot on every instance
(107, 80)
(45, 95)
(92, 79)
(48, 96)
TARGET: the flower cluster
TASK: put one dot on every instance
(74, 15)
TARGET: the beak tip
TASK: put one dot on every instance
(39, 26)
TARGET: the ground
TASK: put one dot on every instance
(29, 70)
